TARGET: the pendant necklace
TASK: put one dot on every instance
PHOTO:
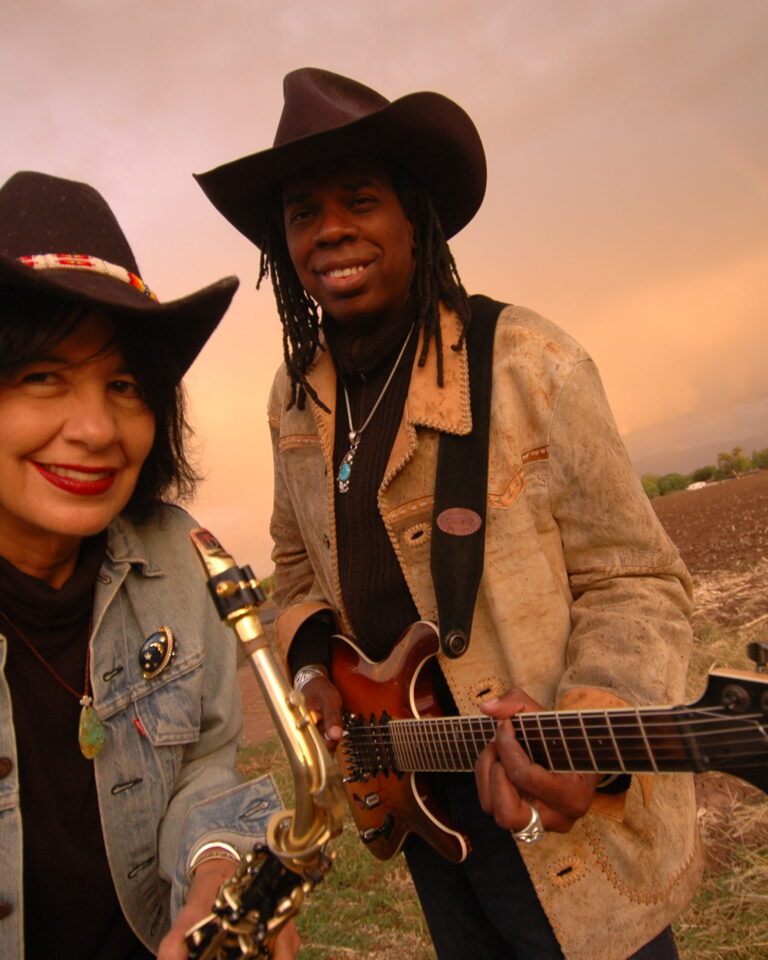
(91, 733)
(345, 467)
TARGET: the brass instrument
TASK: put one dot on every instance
(271, 882)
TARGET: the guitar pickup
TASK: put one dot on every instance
(369, 835)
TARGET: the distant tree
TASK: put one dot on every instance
(650, 482)
(671, 482)
(703, 473)
(732, 464)
(760, 458)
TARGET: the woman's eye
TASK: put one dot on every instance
(45, 377)
(126, 388)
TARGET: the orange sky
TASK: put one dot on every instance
(628, 176)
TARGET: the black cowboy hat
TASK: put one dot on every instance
(59, 237)
(326, 117)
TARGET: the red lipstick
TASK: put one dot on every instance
(72, 478)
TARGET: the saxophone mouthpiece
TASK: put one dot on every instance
(234, 589)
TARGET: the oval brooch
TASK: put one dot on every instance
(156, 652)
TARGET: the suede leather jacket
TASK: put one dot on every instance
(165, 779)
(583, 603)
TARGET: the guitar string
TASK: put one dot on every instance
(451, 755)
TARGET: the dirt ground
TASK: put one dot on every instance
(722, 534)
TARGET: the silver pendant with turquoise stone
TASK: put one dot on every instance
(345, 467)
(91, 734)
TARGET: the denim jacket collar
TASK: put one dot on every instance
(126, 545)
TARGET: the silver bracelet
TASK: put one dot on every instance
(304, 674)
(213, 850)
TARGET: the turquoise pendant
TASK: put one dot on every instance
(345, 467)
(91, 734)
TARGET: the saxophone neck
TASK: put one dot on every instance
(297, 837)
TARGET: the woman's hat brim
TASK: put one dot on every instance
(186, 323)
(424, 133)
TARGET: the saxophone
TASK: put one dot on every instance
(272, 881)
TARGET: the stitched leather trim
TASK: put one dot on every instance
(566, 872)
(298, 440)
(508, 496)
(538, 453)
(486, 688)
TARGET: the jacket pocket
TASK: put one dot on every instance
(170, 714)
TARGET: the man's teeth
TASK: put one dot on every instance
(341, 272)
(71, 474)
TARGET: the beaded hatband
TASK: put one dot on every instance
(81, 261)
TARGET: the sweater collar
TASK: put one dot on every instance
(445, 408)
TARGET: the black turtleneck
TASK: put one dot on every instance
(70, 904)
(375, 593)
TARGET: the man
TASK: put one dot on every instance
(583, 600)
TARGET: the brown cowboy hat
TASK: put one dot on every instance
(326, 117)
(59, 237)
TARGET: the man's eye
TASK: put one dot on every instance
(299, 216)
(362, 203)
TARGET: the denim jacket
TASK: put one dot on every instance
(165, 779)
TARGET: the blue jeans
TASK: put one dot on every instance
(486, 908)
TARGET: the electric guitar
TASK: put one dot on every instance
(395, 734)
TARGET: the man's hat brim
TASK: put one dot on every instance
(425, 133)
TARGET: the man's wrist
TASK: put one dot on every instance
(309, 672)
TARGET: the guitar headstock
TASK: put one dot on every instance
(739, 747)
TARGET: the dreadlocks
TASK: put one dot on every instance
(435, 280)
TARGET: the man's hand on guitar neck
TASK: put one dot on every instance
(324, 704)
(510, 785)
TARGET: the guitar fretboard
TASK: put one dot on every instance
(606, 741)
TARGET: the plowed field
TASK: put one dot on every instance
(722, 534)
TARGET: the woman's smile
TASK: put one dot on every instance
(83, 481)
(75, 431)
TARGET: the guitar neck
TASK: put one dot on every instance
(639, 740)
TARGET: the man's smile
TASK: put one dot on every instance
(340, 272)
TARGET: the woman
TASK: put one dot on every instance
(119, 712)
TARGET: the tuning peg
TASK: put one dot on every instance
(758, 653)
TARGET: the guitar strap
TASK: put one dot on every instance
(461, 492)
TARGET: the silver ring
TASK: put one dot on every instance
(532, 831)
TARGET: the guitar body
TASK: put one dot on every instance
(387, 805)
(395, 732)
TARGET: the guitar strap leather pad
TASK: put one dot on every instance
(461, 492)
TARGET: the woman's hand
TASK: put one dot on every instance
(510, 785)
(209, 877)
(324, 704)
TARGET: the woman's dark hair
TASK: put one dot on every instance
(32, 324)
(436, 280)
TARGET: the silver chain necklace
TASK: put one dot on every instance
(345, 467)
